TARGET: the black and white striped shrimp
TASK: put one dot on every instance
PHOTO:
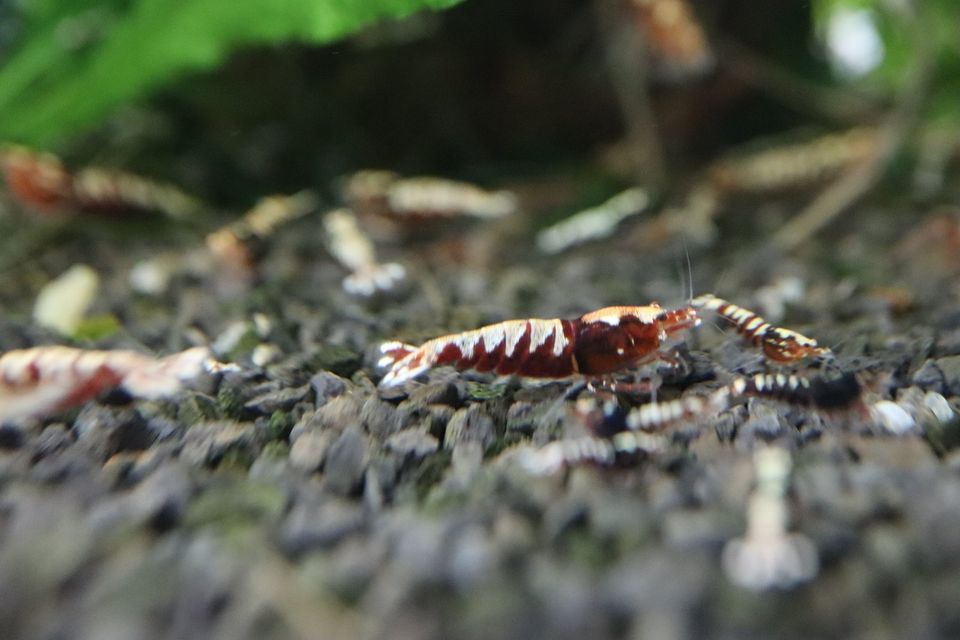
(817, 393)
(778, 344)
(636, 430)
(595, 344)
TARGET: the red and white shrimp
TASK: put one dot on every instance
(38, 180)
(595, 344)
(778, 344)
(42, 182)
(44, 380)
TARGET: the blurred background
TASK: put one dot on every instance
(532, 159)
(232, 100)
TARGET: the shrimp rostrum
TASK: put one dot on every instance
(596, 344)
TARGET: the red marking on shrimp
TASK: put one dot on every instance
(597, 343)
(44, 380)
(40, 181)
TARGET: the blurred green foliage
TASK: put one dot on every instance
(921, 37)
(97, 328)
(73, 62)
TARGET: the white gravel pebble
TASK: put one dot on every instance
(64, 301)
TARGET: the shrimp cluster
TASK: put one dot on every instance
(614, 339)
(627, 433)
(596, 344)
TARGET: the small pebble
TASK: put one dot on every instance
(521, 417)
(279, 400)
(765, 421)
(892, 417)
(265, 353)
(230, 338)
(207, 443)
(271, 468)
(930, 377)
(320, 522)
(948, 343)
(412, 443)
(380, 418)
(692, 528)
(309, 450)
(325, 386)
(338, 412)
(464, 465)
(12, 436)
(446, 393)
(472, 558)
(64, 301)
(470, 424)
(152, 277)
(160, 499)
(52, 440)
(103, 431)
(346, 462)
(262, 324)
(950, 366)
(373, 491)
(939, 407)
(436, 419)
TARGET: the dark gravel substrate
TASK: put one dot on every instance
(293, 501)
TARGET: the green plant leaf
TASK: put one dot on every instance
(73, 66)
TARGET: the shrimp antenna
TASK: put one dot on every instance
(686, 253)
